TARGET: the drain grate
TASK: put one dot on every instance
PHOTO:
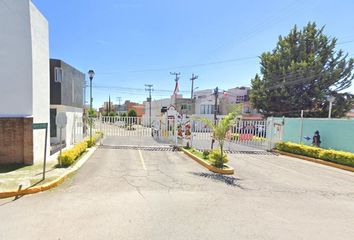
(143, 148)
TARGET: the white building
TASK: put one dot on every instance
(24, 71)
(66, 95)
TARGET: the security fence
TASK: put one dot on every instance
(145, 131)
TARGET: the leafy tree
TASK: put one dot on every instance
(112, 114)
(132, 113)
(299, 74)
(92, 113)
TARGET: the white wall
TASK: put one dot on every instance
(40, 75)
(15, 58)
(73, 132)
(156, 106)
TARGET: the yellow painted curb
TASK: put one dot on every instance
(49, 185)
(315, 160)
(228, 170)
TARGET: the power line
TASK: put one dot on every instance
(182, 66)
(133, 89)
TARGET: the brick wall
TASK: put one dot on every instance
(16, 140)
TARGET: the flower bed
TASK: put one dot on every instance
(208, 160)
(340, 157)
(68, 157)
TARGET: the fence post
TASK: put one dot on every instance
(270, 134)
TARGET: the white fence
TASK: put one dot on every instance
(254, 134)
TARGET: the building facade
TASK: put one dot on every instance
(66, 95)
(24, 71)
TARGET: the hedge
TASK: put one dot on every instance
(69, 156)
(340, 157)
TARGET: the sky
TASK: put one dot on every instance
(130, 43)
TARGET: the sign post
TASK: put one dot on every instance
(61, 120)
(43, 126)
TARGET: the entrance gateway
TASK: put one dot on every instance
(163, 133)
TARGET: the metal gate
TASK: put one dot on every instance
(136, 131)
(243, 135)
(141, 131)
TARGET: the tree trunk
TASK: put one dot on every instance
(221, 155)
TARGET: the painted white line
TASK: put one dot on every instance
(142, 160)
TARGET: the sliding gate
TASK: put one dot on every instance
(140, 131)
(136, 131)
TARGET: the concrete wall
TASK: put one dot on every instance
(15, 58)
(40, 76)
(335, 133)
(24, 61)
(73, 132)
(70, 91)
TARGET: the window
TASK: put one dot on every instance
(206, 109)
(58, 74)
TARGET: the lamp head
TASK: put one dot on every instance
(91, 74)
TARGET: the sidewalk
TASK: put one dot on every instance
(17, 177)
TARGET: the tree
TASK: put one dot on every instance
(92, 113)
(132, 113)
(300, 73)
(219, 133)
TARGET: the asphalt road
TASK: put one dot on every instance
(131, 194)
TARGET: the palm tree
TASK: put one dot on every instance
(220, 130)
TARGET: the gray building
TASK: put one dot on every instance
(66, 95)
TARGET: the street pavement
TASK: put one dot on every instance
(136, 194)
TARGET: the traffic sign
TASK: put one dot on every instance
(61, 120)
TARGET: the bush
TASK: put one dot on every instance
(345, 158)
(206, 154)
(299, 149)
(235, 137)
(69, 156)
(215, 158)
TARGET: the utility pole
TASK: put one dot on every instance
(216, 95)
(149, 89)
(194, 77)
(109, 104)
(176, 87)
(119, 99)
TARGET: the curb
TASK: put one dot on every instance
(228, 171)
(53, 183)
(315, 160)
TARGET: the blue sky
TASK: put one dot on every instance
(130, 43)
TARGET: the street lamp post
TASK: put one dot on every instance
(91, 74)
(330, 99)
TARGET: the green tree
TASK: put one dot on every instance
(219, 133)
(132, 113)
(304, 68)
(92, 113)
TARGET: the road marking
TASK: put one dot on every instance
(142, 160)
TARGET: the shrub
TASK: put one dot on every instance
(215, 158)
(258, 139)
(235, 137)
(206, 154)
(69, 156)
(299, 149)
(91, 143)
(345, 158)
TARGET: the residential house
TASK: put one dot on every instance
(24, 93)
(66, 95)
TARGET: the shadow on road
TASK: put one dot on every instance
(228, 180)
